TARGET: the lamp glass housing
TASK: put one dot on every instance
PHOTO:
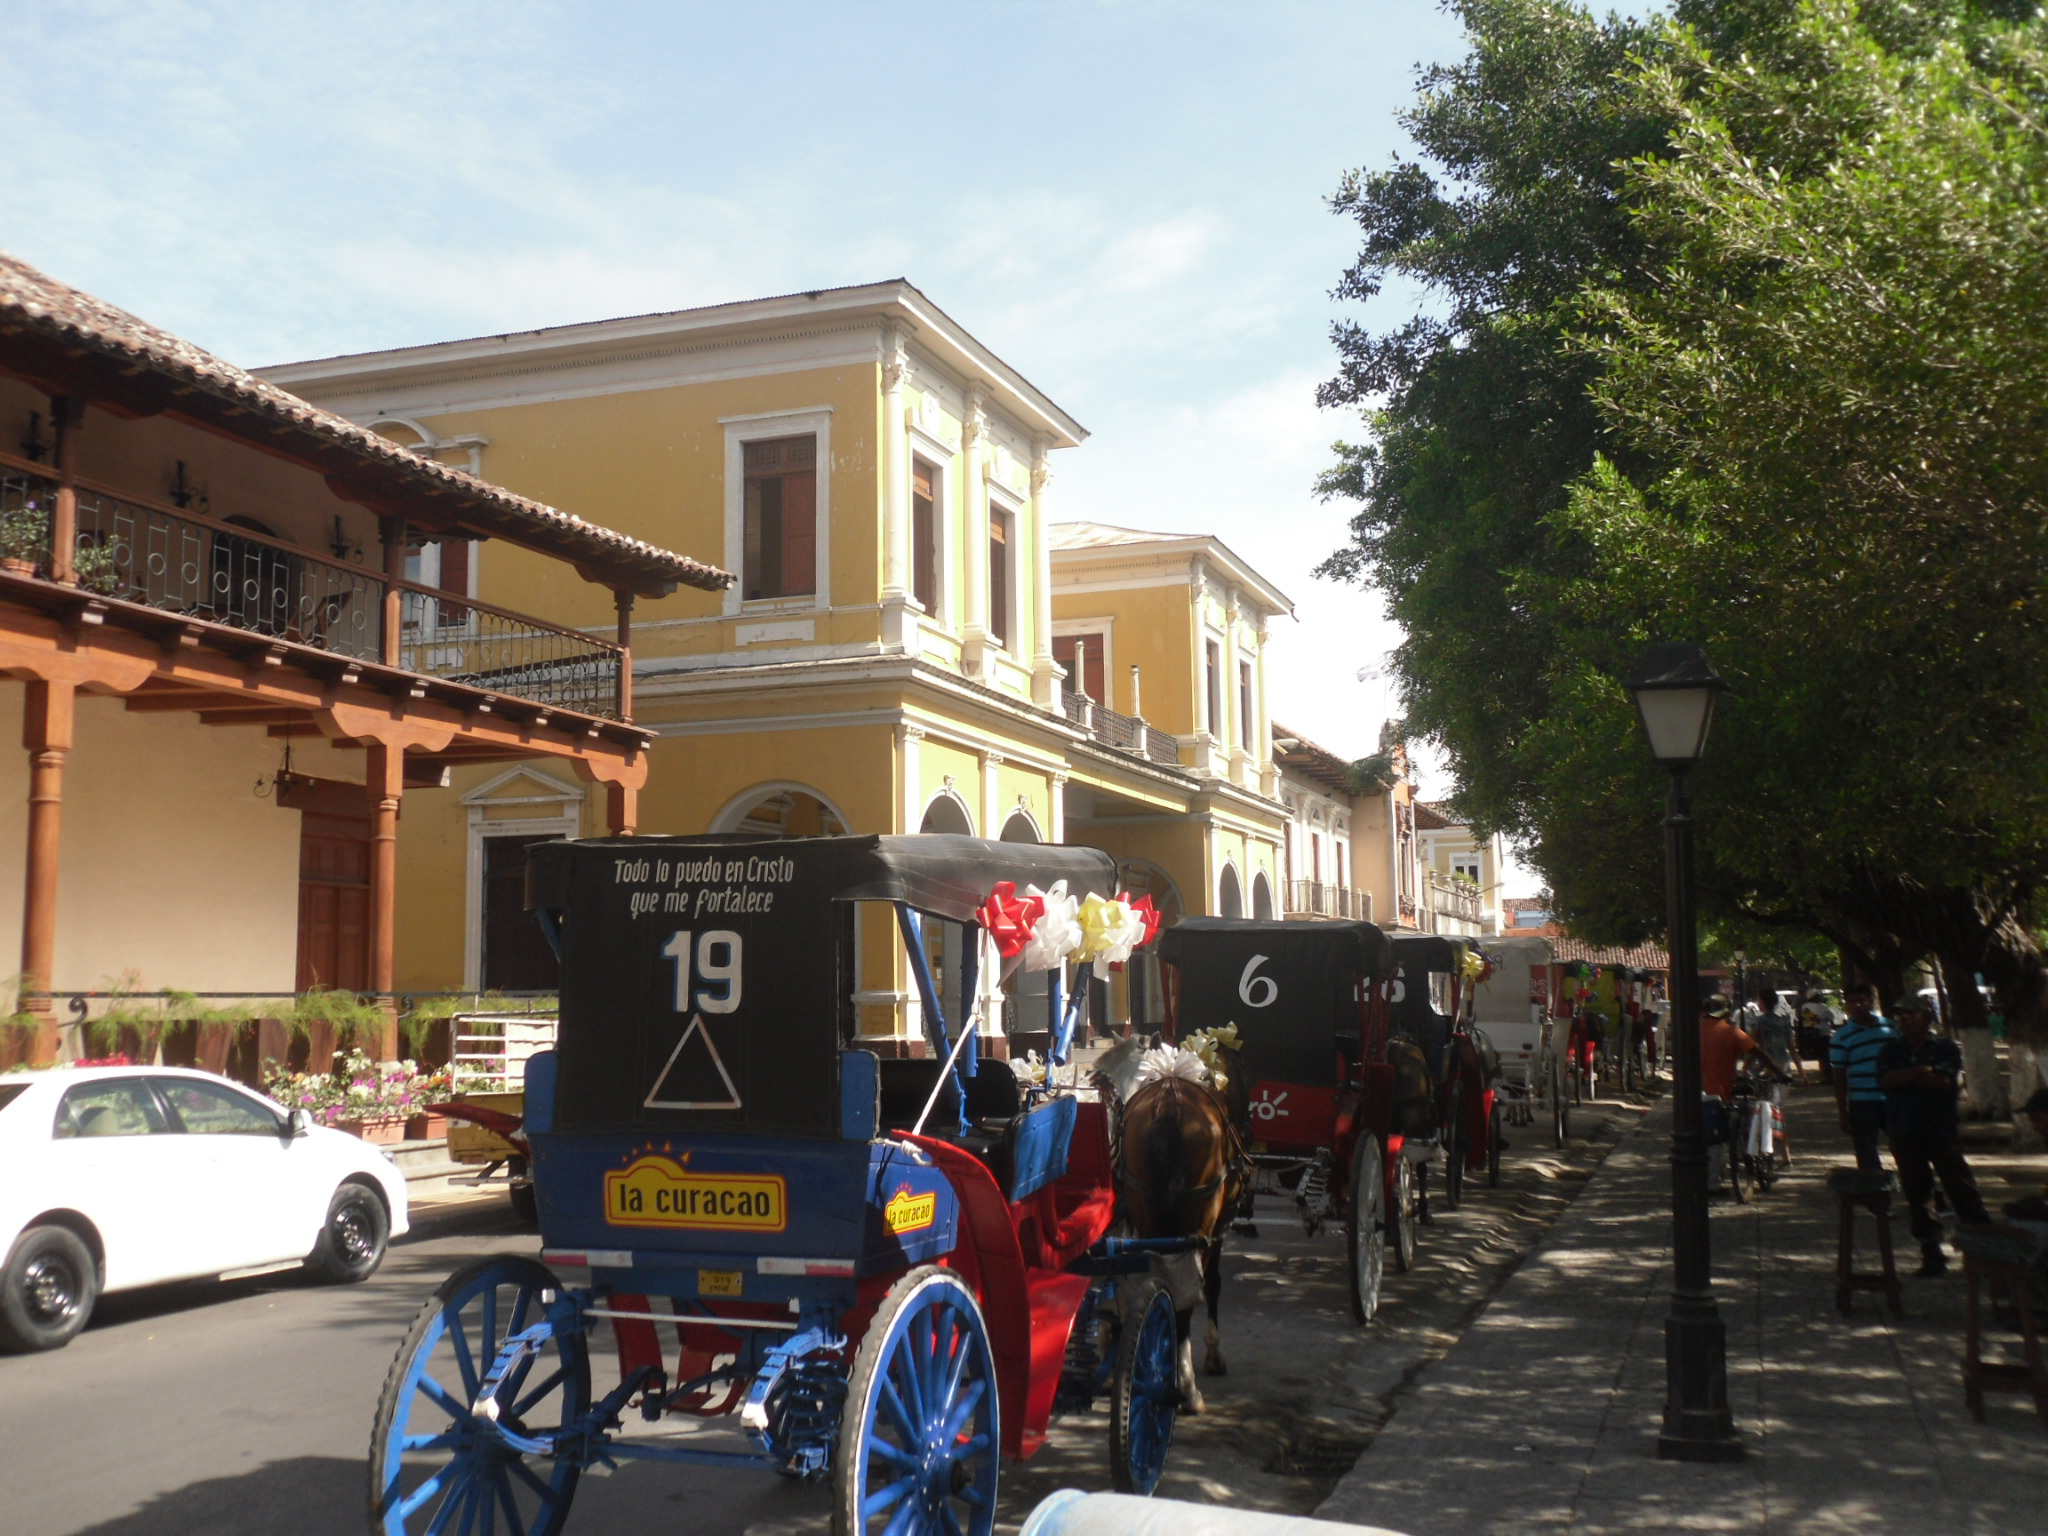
(1676, 721)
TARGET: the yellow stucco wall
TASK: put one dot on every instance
(1151, 631)
(651, 463)
(171, 867)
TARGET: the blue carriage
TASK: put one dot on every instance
(892, 1272)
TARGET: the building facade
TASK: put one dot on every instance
(887, 660)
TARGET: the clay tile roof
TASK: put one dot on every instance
(58, 334)
(1641, 957)
(1429, 816)
(1310, 760)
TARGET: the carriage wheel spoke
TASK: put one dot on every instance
(445, 1441)
(957, 1419)
(905, 1425)
(458, 1340)
(895, 1455)
(413, 1501)
(952, 1526)
(514, 1524)
(885, 1497)
(441, 1396)
(553, 1379)
(487, 1330)
(904, 1520)
(541, 1490)
(912, 1389)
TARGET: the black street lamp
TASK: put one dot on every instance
(1674, 690)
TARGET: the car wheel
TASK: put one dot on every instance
(47, 1290)
(352, 1242)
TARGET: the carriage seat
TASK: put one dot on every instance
(1024, 1149)
(1060, 1219)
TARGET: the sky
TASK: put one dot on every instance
(1126, 199)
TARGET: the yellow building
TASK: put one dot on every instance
(880, 481)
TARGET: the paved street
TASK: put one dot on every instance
(1545, 1414)
(245, 1410)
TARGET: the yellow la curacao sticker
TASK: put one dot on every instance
(907, 1212)
(655, 1192)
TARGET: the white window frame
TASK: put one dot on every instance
(545, 790)
(739, 431)
(1002, 502)
(940, 457)
(1106, 627)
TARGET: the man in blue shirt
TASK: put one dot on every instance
(1852, 1055)
(1919, 1075)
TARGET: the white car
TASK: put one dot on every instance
(120, 1177)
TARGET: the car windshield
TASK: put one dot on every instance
(9, 1092)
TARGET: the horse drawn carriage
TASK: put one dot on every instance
(1511, 1004)
(890, 1271)
(1431, 1013)
(1310, 1085)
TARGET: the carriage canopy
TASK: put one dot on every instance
(707, 981)
(1290, 987)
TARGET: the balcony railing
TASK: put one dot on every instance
(1453, 898)
(500, 651)
(1312, 898)
(1121, 732)
(222, 572)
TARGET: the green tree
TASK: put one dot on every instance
(1778, 388)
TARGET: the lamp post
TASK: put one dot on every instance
(1674, 690)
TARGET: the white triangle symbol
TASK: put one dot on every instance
(654, 1099)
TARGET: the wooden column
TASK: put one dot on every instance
(384, 782)
(625, 606)
(46, 735)
(392, 531)
(67, 416)
(621, 809)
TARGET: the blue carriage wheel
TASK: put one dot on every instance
(437, 1468)
(919, 1445)
(1145, 1394)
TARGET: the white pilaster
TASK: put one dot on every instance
(993, 814)
(974, 525)
(1044, 686)
(1056, 809)
(896, 625)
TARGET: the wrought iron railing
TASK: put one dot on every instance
(222, 572)
(466, 641)
(1312, 898)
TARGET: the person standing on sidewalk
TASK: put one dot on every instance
(1852, 1058)
(1920, 1076)
(1777, 1037)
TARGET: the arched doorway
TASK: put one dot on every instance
(947, 814)
(1020, 828)
(1229, 894)
(1262, 897)
(780, 810)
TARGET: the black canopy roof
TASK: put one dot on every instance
(1360, 946)
(1430, 951)
(939, 873)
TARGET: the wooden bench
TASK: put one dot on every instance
(1859, 1187)
(2000, 1261)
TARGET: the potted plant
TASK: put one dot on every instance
(95, 570)
(24, 538)
(429, 1091)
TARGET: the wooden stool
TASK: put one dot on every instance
(1855, 1187)
(2000, 1261)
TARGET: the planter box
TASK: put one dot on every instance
(431, 1126)
(385, 1131)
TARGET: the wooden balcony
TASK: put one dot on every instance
(129, 551)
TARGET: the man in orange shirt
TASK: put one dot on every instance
(1723, 1043)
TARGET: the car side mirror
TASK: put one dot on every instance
(298, 1123)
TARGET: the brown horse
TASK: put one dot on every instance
(1180, 1173)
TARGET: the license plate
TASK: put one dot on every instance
(659, 1192)
(718, 1282)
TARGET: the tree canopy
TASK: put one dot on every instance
(1733, 335)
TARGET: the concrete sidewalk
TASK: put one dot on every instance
(1545, 1415)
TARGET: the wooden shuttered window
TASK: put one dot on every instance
(924, 531)
(999, 577)
(781, 518)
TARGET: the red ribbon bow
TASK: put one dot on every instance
(1143, 907)
(1009, 918)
